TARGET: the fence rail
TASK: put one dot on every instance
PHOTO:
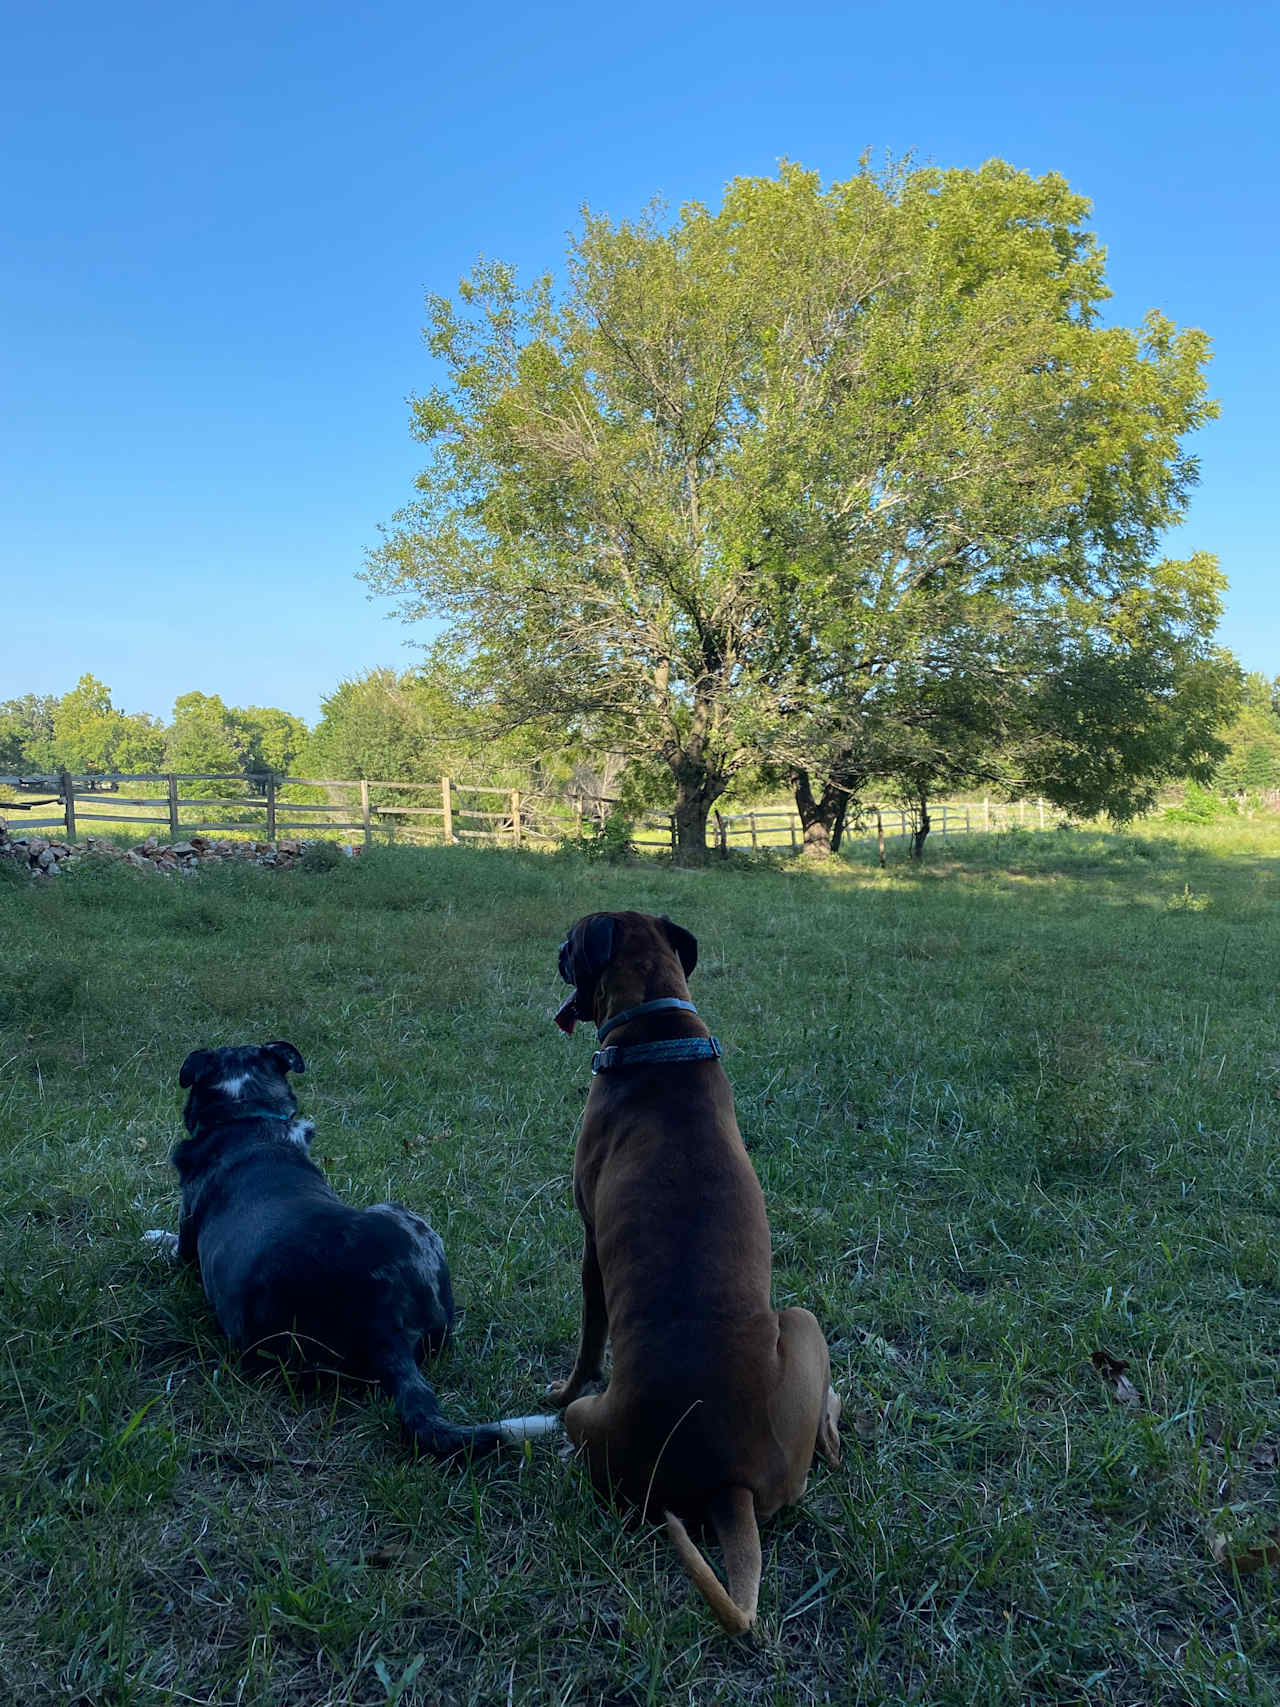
(519, 817)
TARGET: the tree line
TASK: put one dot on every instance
(390, 726)
(381, 725)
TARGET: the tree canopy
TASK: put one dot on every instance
(771, 484)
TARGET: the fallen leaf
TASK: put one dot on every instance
(880, 1347)
(139, 1145)
(1248, 1559)
(1264, 1456)
(420, 1140)
(1112, 1370)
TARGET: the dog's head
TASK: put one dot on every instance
(604, 941)
(240, 1083)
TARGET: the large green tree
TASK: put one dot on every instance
(737, 486)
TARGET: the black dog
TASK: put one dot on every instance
(293, 1271)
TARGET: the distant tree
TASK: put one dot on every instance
(751, 467)
(26, 732)
(271, 739)
(390, 727)
(206, 736)
(372, 726)
(88, 733)
(1252, 739)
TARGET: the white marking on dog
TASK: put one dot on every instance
(233, 1085)
(528, 1428)
(162, 1241)
(300, 1132)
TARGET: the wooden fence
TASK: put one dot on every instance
(954, 818)
(466, 812)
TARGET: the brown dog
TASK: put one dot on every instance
(716, 1400)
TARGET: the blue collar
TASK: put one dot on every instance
(673, 1049)
(644, 1008)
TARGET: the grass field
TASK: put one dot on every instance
(1010, 1109)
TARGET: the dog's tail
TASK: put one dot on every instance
(733, 1516)
(419, 1410)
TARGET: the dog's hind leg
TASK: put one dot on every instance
(803, 1409)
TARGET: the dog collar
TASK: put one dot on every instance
(644, 1008)
(673, 1049)
(249, 1114)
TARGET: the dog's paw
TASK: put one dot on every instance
(558, 1395)
(163, 1243)
(562, 1393)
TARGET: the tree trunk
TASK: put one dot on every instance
(693, 807)
(699, 784)
(923, 825)
(837, 828)
(823, 818)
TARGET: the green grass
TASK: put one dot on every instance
(1010, 1108)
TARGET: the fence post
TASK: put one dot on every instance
(880, 836)
(173, 807)
(1022, 813)
(271, 806)
(577, 816)
(986, 811)
(722, 837)
(515, 817)
(966, 821)
(364, 812)
(68, 803)
(675, 840)
(791, 825)
(751, 818)
(447, 802)
(1040, 804)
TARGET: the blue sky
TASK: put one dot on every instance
(219, 224)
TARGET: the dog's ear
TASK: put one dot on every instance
(286, 1056)
(196, 1065)
(585, 953)
(684, 942)
(595, 947)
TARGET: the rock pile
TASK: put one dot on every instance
(44, 858)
